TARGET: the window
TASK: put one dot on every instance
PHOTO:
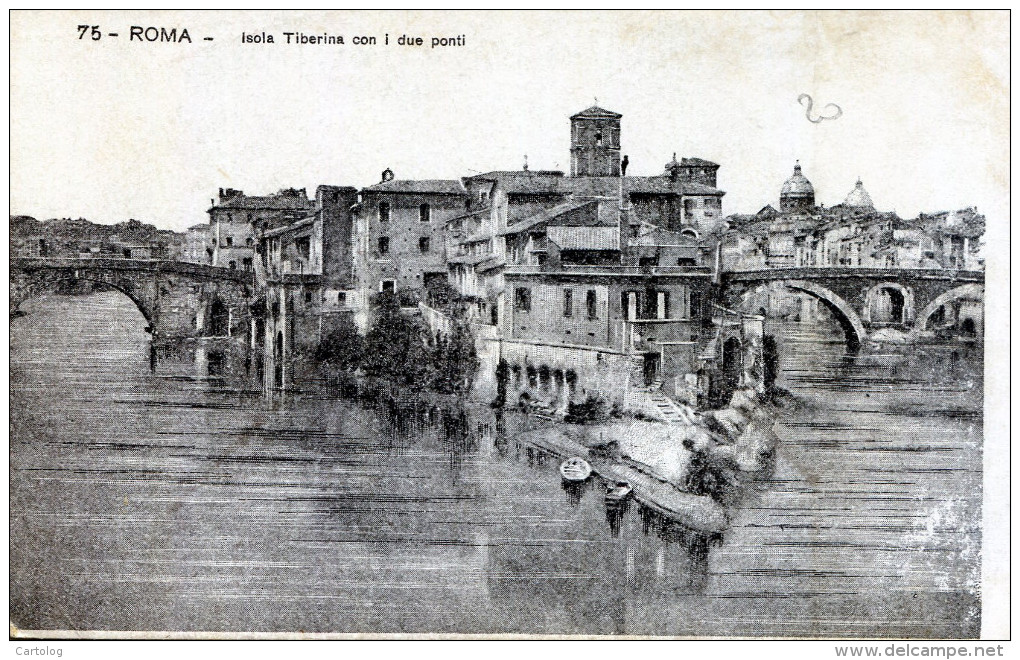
(662, 305)
(423, 244)
(246, 263)
(233, 265)
(230, 241)
(384, 245)
(214, 241)
(308, 296)
(424, 213)
(341, 298)
(384, 211)
(303, 245)
(630, 301)
(388, 286)
(568, 302)
(695, 310)
(522, 299)
(592, 303)
(598, 139)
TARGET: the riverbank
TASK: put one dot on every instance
(689, 472)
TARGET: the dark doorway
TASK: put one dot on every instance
(896, 299)
(968, 328)
(219, 319)
(652, 361)
(278, 362)
(731, 365)
(770, 360)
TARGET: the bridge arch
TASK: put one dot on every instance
(848, 318)
(901, 301)
(974, 291)
(36, 287)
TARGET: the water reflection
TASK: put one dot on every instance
(184, 499)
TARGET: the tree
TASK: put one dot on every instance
(343, 348)
(394, 348)
(455, 360)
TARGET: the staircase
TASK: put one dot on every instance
(650, 400)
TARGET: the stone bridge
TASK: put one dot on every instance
(177, 299)
(863, 300)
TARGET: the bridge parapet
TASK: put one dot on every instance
(838, 272)
(167, 266)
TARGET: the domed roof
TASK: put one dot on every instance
(859, 197)
(797, 185)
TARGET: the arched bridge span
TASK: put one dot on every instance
(178, 299)
(863, 300)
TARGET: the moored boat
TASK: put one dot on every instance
(575, 468)
(618, 492)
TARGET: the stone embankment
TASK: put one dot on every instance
(656, 458)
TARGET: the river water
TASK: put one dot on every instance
(170, 500)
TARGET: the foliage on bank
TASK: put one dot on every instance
(400, 349)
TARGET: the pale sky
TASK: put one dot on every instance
(116, 129)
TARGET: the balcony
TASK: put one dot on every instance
(644, 335)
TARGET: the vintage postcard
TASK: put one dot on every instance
(510, 324)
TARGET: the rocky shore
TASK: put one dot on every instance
(690, 471)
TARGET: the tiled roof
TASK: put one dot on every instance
(697, 162)
(294, 226)
(419, 186)
(545, 215)
(523, 182)
(585, 238)
(492, 264)
(597, 113)
(274, 202)
(467, 216)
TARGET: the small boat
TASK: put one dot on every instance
(618, 492)
(575, 469)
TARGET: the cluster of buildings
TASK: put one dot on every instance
(587, 281)
(595, 267)
(801, 233)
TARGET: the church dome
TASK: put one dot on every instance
(797, 185)
(859, 197)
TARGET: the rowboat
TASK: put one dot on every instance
(618, 492)
(575, 468)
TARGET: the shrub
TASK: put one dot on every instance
(593, 410)
(719, 478)
(343, 348)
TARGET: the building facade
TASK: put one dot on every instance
(306, 270)
(400, 237)
(235, 220)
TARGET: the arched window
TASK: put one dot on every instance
(424, 213)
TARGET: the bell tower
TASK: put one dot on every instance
(595, 143)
